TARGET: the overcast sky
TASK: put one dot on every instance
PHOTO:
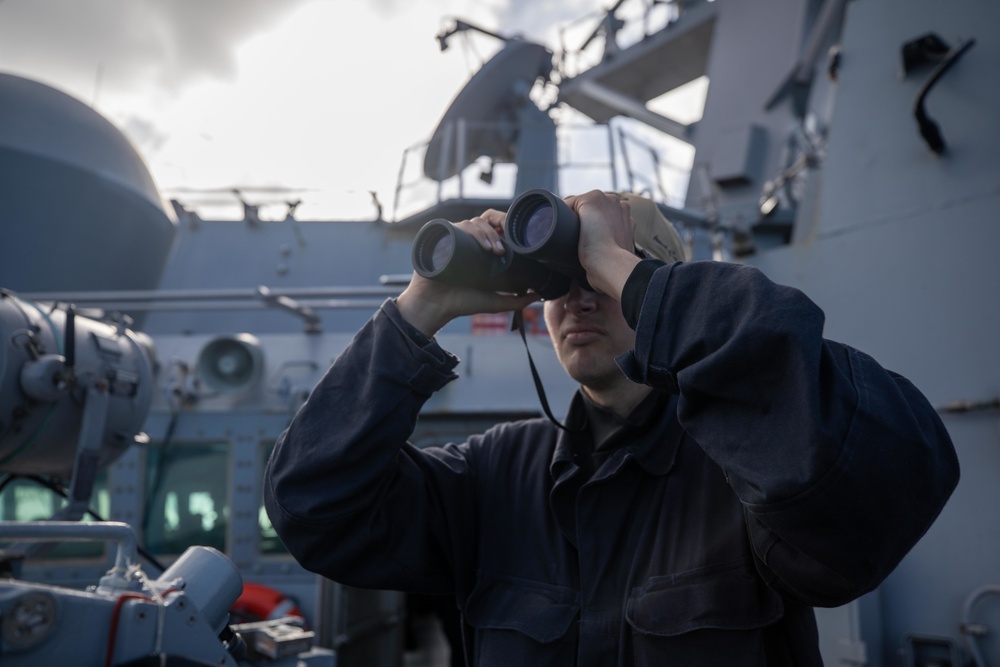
(322, 95)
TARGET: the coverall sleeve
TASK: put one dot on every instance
(840, 464)
(347, 495)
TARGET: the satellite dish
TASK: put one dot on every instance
(490, 106)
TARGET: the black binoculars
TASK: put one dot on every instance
(541, 234)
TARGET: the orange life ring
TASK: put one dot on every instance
(262, 603)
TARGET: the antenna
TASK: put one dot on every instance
(462, 26)
(251, 212)
(488, 116)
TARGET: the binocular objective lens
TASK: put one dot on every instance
(441, 251)
(538, 225)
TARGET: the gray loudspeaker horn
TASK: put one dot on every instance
(231, 364)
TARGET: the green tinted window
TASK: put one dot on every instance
(268, 538)
(187, 497)
(23, 499)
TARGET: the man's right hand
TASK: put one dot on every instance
(607, 240)
(430, 304)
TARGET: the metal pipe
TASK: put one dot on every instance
(611, 155)
(208, 294)
(972, 630)
(76, 531)
(175, 306)
(460, 154)
(635, 109)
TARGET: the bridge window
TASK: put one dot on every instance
(268, 539)
(188, 492)
(28, 498)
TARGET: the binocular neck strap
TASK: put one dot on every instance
(517, 324)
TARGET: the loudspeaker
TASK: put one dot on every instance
(231, 364)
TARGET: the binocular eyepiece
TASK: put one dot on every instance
(541, 238)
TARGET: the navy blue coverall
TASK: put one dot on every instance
(780, 471)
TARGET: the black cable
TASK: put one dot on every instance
(59, 490)
(7, 480)
(154, 486)
(517, 324)
(929, 129)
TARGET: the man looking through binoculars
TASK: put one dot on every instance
(723, 469)
(587, 327)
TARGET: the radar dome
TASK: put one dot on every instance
(81, 211)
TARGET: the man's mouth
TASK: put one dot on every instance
(581, 335)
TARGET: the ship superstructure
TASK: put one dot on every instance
(151, 357)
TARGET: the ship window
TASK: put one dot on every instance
(269, 542)
(25, 499)
(188, 497)
(268, 539)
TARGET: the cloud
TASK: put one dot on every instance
(144, 133)
(304, 93)
(145, 43)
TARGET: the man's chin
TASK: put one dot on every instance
(587, 374)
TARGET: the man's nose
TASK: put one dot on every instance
(580, 300)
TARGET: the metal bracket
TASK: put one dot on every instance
(308, 315)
